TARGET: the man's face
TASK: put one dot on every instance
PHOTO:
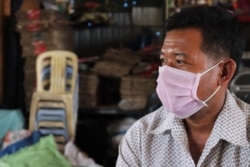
(181, 50)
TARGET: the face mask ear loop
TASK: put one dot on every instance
(217, 89)
(211, 67)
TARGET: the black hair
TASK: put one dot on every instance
(221, 31)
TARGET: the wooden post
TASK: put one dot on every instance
(1, 50)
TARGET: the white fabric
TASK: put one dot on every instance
(78, 158)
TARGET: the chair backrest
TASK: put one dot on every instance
(56, 71)
(240, 85)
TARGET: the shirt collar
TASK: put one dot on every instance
(232, 122)
(233, 118)
(166, 123)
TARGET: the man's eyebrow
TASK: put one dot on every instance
(180, 54)
(163, 51)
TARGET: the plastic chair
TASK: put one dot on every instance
(59, 133)
(57, 83)
(51, 111)
(240, 85)
(52, 117)
(54, 111)
(51, 114)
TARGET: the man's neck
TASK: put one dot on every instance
(198, 132)
(203, 121)
(200, 126)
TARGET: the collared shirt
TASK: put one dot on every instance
(159, 139)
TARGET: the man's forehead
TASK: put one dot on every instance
(169, 39)
(170, 42)
(173, 44)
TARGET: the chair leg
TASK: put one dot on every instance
(33, 110)
(70, 117)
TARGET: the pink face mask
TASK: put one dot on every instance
(177, 90)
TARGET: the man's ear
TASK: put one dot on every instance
(228, 68)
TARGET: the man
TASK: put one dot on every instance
(200, 123)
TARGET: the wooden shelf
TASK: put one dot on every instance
(109, 111)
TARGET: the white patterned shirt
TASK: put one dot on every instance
(159, 139)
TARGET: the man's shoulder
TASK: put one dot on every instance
(233, 102)
(244, 106)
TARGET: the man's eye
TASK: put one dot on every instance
(179, 61)
(163, 61)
